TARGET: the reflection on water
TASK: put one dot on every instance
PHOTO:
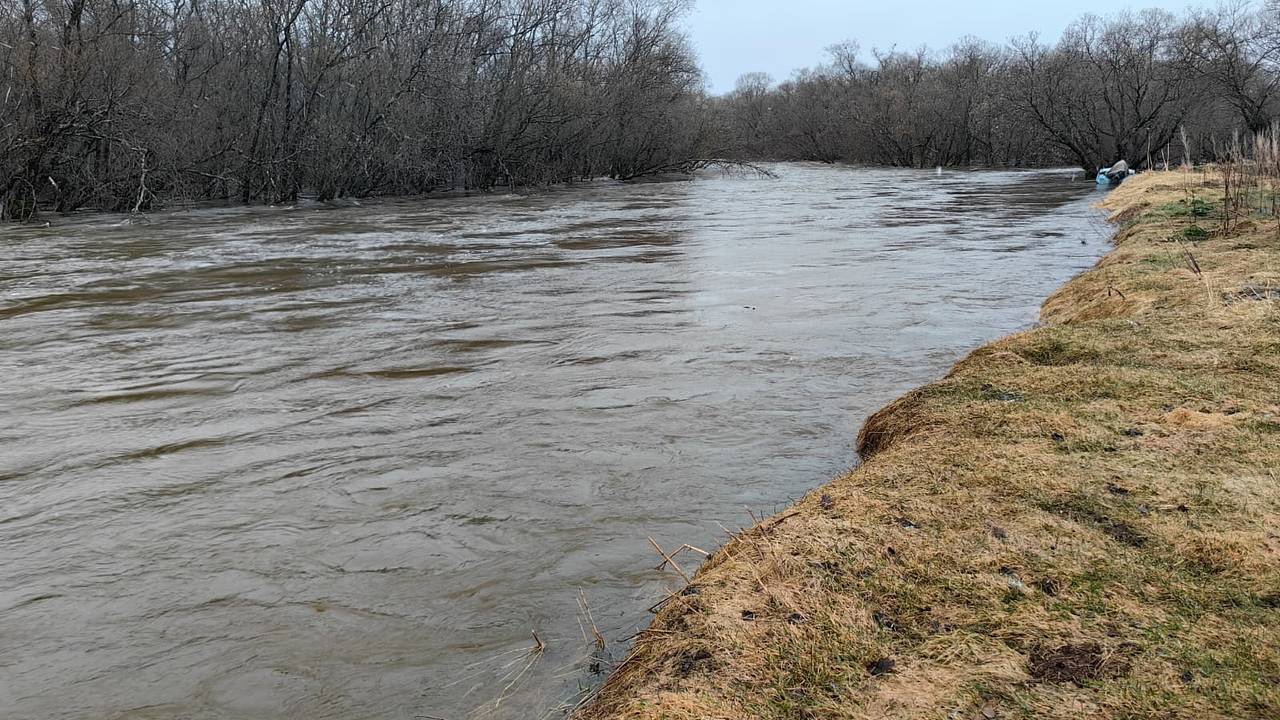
(340, 462)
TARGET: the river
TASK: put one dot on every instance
(342, 462)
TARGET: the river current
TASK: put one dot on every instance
(344, 461)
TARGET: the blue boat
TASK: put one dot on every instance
(1114, 175)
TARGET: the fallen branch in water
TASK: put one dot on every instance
(693, 165)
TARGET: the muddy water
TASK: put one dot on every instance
(340, 462)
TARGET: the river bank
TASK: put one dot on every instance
(1079, 520)
(340, 462)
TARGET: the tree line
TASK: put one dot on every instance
(126, 105)
(1145, 87)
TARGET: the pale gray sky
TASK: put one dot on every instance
(777, 36)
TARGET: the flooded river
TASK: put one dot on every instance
(324, 462)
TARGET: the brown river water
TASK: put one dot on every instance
(341, 462)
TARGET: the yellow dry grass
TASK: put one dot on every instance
(1081, 520)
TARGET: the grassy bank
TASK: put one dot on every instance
(1081, 520)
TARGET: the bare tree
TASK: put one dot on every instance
(1235, 50)
(1109, 90)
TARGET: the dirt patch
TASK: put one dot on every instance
(694, 661)
(1075, 663)
(883, 666)
(1253, 293)
(1086, 511)
(1123, 532)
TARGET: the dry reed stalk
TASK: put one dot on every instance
(667, 560)
(595, 631)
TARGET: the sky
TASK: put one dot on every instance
(777, 36)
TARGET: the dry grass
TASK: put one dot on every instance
(1082, 520)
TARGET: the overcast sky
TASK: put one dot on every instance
(777, 36)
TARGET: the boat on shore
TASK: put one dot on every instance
(1114, 175)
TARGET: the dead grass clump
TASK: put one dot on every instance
(1195, 420)
(895, 421)
(1055, 348)
(1128, 216)
(1214, 554)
